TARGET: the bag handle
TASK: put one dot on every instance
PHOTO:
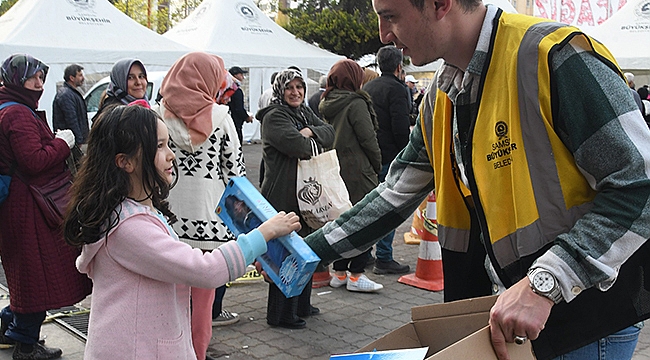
(314, 147)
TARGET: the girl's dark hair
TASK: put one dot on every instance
(100, 185)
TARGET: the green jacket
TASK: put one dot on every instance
(355, 140)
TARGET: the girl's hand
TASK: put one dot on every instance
(279, 225)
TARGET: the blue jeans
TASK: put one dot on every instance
(618, 346)
(384, 250)
(24, 328)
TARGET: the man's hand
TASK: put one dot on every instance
(258, 267)
(249, 119)
(517, 312)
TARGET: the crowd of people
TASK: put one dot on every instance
(535, 203)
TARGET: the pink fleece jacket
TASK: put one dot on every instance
(141, 273)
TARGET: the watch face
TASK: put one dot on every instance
(543, 281)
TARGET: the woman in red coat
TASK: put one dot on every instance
(39, 265)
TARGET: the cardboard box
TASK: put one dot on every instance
(289, 262)
(452, 331)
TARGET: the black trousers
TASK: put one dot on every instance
(281, 309)
(464, 273)
(217, 305)
(355, 265)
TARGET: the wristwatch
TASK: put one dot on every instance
(544, 283)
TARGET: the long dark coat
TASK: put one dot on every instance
(355, 142)
(282, 146)
(39, 265)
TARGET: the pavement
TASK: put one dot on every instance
(347, 321)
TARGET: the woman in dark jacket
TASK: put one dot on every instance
(349, 109)
(287, 126)
(38, 264)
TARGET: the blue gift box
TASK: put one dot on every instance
(402, 354)
(289, 262)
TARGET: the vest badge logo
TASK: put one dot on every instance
(501, 151)
(501, 129)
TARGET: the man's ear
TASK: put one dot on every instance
(123, 162)
(442, 7)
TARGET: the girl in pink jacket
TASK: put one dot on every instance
(141, 273)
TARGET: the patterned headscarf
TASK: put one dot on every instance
(119, 85)
(228, 88)
(283, 79)
(190, 89)
(20, 67)
(344, 75)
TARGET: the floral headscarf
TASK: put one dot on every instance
(190, 89)
(119, 84)
(283, 79)
(228, 88)
(20, 67)
(344, 75)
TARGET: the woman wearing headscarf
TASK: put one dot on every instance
(349, 109)
(128, 84)
(287, 126)
(368, 75)
(204, 140)
(38, 264)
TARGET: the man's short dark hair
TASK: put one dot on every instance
(467, 5)
(71, 70)
(419, 4)
(389, 58)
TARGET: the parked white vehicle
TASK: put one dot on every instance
(94, 95)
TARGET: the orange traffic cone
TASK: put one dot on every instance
(417, 225)
(321, 277)
(428, 271)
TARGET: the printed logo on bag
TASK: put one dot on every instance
(311, 191)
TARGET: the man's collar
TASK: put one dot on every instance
(77, 89)
(448, 73)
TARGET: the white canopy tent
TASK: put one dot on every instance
(244, 36)
(91, 33)
(627, 35)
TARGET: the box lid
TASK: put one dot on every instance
(461, 307)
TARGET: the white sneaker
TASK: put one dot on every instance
(363, 284)
(225, 318)
(335, 282)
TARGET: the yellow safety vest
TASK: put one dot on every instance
(523, 196)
